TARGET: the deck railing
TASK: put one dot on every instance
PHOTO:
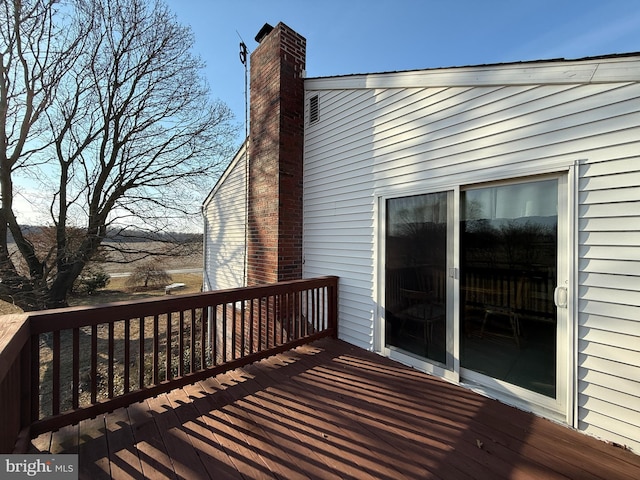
(58, 367)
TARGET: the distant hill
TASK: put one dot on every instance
(130, 235)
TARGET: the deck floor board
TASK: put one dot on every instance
(332, 411)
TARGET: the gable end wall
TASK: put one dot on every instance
(375, 141)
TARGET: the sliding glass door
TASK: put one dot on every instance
(470, 282)
(509, 270)
(416, 264)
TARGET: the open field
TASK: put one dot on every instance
(117, 290)
(118, 263)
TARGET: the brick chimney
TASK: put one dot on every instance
(274, 250)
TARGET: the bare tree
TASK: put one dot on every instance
(35, 54)
(149, 274)
(128, 134)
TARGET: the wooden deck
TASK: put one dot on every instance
(331, 410)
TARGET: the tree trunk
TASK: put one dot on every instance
(57, 297)
(23, 292)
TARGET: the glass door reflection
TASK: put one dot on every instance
(508, 249)
(416, 261)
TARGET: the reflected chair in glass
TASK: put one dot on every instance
(420, 308)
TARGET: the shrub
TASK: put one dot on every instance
(148, 275)
(92, 278)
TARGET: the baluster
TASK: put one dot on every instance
(111, 361)
(251, 327)
(314, 314)
(94, 363)
(243, 343)
(155, 349)
(141, 366)
(35, 377)
(203, 339)
(314, 320)
(75, 374)
(127, 356)
(267, 319)
(181, 345)
(321, 322)
(214, 334)
(168, 374)
(224, 332)
(234, 328)
(286, 320)
(55, 392)
(300, 316)
(259, 323)
(192, 367)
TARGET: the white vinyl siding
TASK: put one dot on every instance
(408, 134)
(609, 300)
(225, 220)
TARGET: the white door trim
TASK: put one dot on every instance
(563, 407)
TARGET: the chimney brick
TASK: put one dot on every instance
(275, 157)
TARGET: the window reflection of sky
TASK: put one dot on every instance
(534, 199)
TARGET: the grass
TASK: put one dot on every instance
(117, 290)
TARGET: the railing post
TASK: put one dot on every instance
(34, 378)
(25, 385)
(24, 436)
(15, 383)
(333, 306)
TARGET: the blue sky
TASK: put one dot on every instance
(363, 36)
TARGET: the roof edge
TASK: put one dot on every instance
(602, 68)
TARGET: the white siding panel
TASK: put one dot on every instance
(609, 299)
(610, 295)
(617, 195)
(613, 167)
(609, 337)
(617, 282)
(334, 212)
(631, 179)
(625, 406)
(225, 219)
(609, 390)
(611, 252)
(625, 238)
(595, 379)
(609, 266)
(589, 423)
(613, 353)
(602, 323)
(614, 310)
(617, 209)
(610, 421)
(378, 136)
(608, 224)
(608, 367)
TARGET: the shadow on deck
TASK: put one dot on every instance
(331, 410)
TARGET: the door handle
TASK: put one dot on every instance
(560, 297)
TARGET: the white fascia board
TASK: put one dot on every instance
(619, 69)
